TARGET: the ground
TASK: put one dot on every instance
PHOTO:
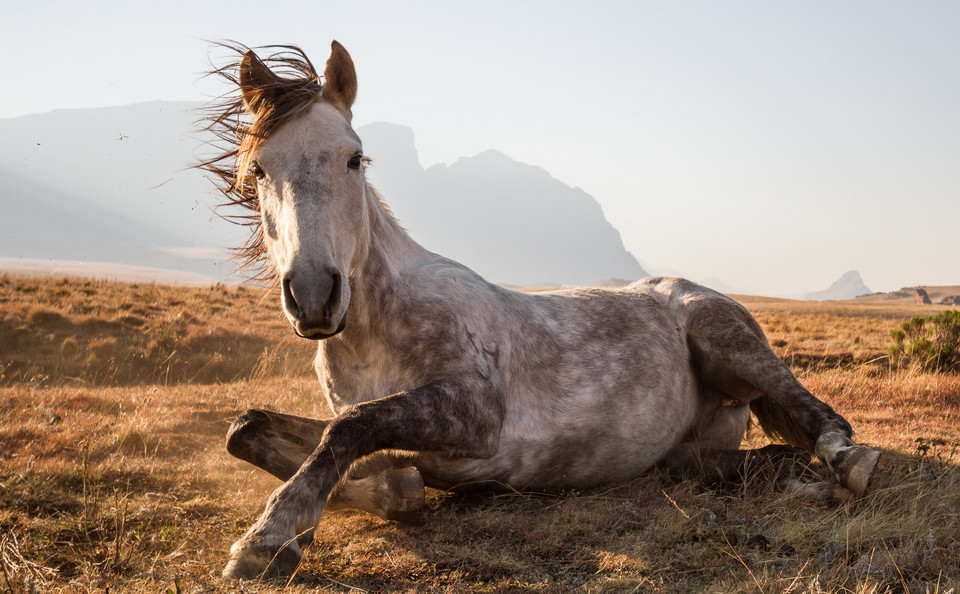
(115, 398)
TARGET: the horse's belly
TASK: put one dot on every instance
(579, 445)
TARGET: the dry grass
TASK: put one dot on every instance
(119, 479)
(820, 336)
(100, 333)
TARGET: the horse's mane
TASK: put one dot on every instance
(237, 133)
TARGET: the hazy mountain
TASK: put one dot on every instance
(115, 185)
(509, 221)
(848, 286)
(42, 221)
(110, 185)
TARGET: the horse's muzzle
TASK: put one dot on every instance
(313, 303)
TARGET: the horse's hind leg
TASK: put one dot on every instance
(385, 485)
(718, 467)
(711, 455)
(732, 356)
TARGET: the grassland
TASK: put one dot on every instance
(114, 400)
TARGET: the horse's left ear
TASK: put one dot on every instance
(340, 79)
(258, 83)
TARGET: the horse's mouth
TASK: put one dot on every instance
(318, 334)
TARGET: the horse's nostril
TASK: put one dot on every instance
(289, 300)
(333, 300)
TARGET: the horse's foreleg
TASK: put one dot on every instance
(385, 485)
(275, 442)
(395, 493)
(456, 417)
(734, 356)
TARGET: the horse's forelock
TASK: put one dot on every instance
(238, 133)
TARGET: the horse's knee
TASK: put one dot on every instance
(260, 438)
(244, 432)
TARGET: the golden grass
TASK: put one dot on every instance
(827, 335)
(122, 482)
(108, 333)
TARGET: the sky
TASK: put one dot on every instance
(767, 147)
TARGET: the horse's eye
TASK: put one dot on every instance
(355, 161)
(257, 170)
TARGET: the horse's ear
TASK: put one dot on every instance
(340, 78)
(257, 83)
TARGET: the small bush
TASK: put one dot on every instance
(930, 343)
(41, 316)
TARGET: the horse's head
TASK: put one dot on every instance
(307, 168)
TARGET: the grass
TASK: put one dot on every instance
(99, 333)
(113, 473)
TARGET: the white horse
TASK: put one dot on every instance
(434, 372)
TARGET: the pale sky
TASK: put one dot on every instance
(771, 145)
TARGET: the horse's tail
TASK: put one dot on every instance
(777, 423)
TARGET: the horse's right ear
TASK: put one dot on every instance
(258, 84)
(340, 79)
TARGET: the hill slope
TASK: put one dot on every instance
(110, 185)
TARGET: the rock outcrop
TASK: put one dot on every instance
(848, 286)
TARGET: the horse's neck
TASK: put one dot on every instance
(390, 252)
(355, 365)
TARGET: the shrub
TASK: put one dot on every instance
(930, 343)
(41, 316)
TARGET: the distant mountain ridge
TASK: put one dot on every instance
(115, 185)
(509, 221)
(848, 286)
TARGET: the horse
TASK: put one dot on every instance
(437, 377)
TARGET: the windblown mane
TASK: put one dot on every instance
(237, 133)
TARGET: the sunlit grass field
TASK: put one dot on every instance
(115, 398)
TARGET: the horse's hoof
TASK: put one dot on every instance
(413, 518)
(406, 485)
(254, 561)
(403, 496)
(855, 467)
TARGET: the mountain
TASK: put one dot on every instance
(115, 185)
(509, 221)
(848, 286)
